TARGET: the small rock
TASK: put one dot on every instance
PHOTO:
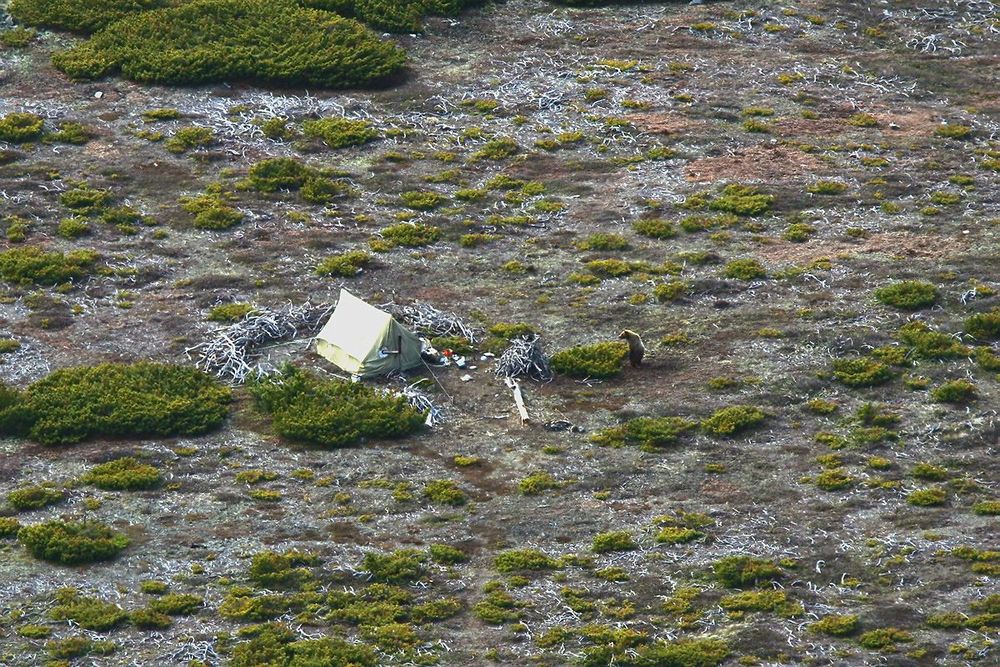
(465, 378)
(98, 95)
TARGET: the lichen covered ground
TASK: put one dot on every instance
(849, 115)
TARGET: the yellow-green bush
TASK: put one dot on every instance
(35, 496)
(741, 571)
(331, 413)
(270, 41)
(344, 265)
(72, 542)
(83, 16)
(31, 264)
(733, 420)
(18, 128)
(600, 360)
(124, 474)
(908, 294)
(88, 613)
(116, 400)
(340, 132)
(645, 432)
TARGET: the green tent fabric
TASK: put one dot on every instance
(363, 340)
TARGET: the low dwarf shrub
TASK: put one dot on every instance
(31, 264)
(340, 132)
(124, 474)
(600, 360)
(269, 41)
(117, 400)
(741, 571)
(34, 497)
(344, 265)
(908, 295)
(18, 128)
(331, 413)
(88, 613)
(645, 432)
(83, 16)
(733, 420)
(72, 542)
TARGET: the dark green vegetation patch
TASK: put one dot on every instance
(115, 400)
(332, 413)
(272, 41)
(72, 542)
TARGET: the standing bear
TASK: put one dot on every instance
(636, 350)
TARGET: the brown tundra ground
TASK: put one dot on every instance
(848, 114)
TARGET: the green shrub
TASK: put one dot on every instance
(955, 391)
(884, 638)
(157, 115)
(73, 228)
(444, 554)
(835, 624)
(600, 360)
(444, 491)
(189, 138)
(344, 265)
(733, 420)
(619, 540)
(269, 41)
(17, 38)
(118, 400)
(741, 571)
(410, 235)
(72, 542)
(288, 570)
(678, 535)
(497, 149)
(497, 608)
(834, 479)
(987, 508)
(929, 472)
(744, 269)
(85, 200)
(953, 131)
(537, 482)
(230, 312)
(603, 241)
(340, 132)
(908, 295)
(177, 604)
(35, 497)
(645, 432)
(517, 560)
(984, 326)
(9, 527)
(861, 372)
(147, 619)
(331, 413)
(929, 344)
(71, 133)
(775, 601)
(211, 212)
(671, 291)
(400, 566)
(31, 264)
(282, 173)
(798, 232)
(88, 613)
(124, 474)
(18, 128)
(17, 228)
(695, 652)
(422, 200)
(929, 497)
(274, 644)
(741, 200)
(655, 228)
(827, 188)
(84, 16)
(153, 587)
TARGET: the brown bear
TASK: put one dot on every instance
(636, 350)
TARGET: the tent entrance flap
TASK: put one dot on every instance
(364, 340)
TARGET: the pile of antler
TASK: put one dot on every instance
(430, 320)
(234, 353)
(525, 358)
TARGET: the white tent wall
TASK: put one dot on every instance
(363, 340)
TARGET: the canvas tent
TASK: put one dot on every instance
(366, 341)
